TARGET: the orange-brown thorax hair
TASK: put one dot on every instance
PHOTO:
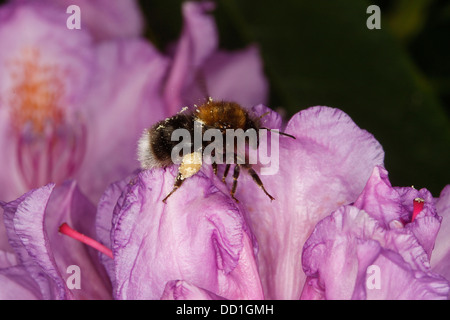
(222, 115)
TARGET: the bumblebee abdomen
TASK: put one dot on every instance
(161, 140)
(155, 146)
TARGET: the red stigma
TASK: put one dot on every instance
(68, 231)
(417, 207)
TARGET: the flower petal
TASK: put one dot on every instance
(104, 19)
(269, 118)
(393, 207)
(107, 93)
(440, 258)
(327, 165)
(32, 223)
(205, 243)
(15, 281)
(199, 70)
(24, 221)
(68, 204)
(17, 284)
(105, 210)
(37, 46)
(345, 244)
(126, 100)
(379, 199)
(182, 290)
(198, 41)
(108, 20)
(227, 73)
(7, 259)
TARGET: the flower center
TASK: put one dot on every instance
(50, 142)
(417, 207)
(68, 231)
(38, 93)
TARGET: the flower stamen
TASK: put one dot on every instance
(68, 231)
(38, 93)
(51, 140)
(417, 207)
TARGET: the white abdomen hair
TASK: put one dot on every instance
(144, 152)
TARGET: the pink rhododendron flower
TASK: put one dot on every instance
(204, 245)
(62, 96)
(72, 107)
(378, 232)
(145, 232)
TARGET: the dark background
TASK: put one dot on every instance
(394, 82)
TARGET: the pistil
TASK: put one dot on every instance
(68, 231)
(417, 207)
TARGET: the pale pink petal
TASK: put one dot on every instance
(326, 166)
(32, 223)
(103, 18)
(205, 243)
(17, 284)
(200, 70)
(182, 290)
(352, 256)
(198, 41)
(237, 76)
(440, 257)
(126, 100)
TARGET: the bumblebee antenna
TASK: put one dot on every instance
(263, 115)
(272, 130)
(279, 132)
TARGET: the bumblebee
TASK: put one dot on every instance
(156, 145)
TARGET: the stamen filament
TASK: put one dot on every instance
(68, 231)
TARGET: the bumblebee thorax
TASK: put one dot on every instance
(222, 115)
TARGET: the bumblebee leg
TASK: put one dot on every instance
(225, 173)
(190, 165)
(237, 169)
(227, 166)
(178, 182)
(258, 181)
(214, 164)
